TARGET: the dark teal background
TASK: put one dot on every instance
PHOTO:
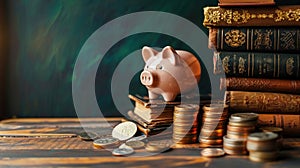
(47, 35)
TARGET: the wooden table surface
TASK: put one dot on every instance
(48, 142)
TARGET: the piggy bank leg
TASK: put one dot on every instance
(169, 96)
(152, 95)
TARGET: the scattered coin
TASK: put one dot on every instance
(106, 142)
(212, 152)
(138, 138)
(158, 146)
(135, 144)
(124, 131)
(87, 136)
(122, 151)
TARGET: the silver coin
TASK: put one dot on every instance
(241, 117)
(212, 152)
(122, 151)
(103, 142)
(87, 136)
(262, 136)
(124, 131)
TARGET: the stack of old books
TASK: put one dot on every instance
(152, 117)
(257, 49)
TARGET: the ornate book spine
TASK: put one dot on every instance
(263, 102)
(250, 16)
(260, 85)
(260, 65)
(289, 123)
(258, 39)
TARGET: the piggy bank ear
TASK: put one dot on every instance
(148, 52)
(170, 54)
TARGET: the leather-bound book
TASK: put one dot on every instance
(260, 85)
(289, 123)
(263, 102)
(256, 39)
(257, 64)
(252, 16)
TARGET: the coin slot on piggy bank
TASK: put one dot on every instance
(169, 72)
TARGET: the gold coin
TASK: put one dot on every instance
(212, 152)
(135, 144)
(125, 130)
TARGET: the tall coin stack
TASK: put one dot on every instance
(239, 127)
(213, 128)
(262, 146)
(185, 123)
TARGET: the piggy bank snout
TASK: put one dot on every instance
(147, 78)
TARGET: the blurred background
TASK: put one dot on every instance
(40, 41)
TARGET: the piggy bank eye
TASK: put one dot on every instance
(147, 66)
(159, 66)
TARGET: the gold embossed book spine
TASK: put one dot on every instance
(255, 39)
(257, 64)
(250, 16)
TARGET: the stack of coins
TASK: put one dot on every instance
(276, 130)
(262, 146)
(214, 124)
(185, 123)
(239, 127)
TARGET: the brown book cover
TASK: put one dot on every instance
(252, 16)
(260, 85)
(263, 102)
(289, 123)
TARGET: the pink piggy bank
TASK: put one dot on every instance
(169, 72)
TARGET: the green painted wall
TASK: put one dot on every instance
(47, 35)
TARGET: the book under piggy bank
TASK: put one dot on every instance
(169, 72)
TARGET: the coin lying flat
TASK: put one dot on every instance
(212, 152)
(105, 142)
(241, 117)
(122, 151)
(87, 136)
(138, 138)
(124, 131)
(135, 144)
(158, 146)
